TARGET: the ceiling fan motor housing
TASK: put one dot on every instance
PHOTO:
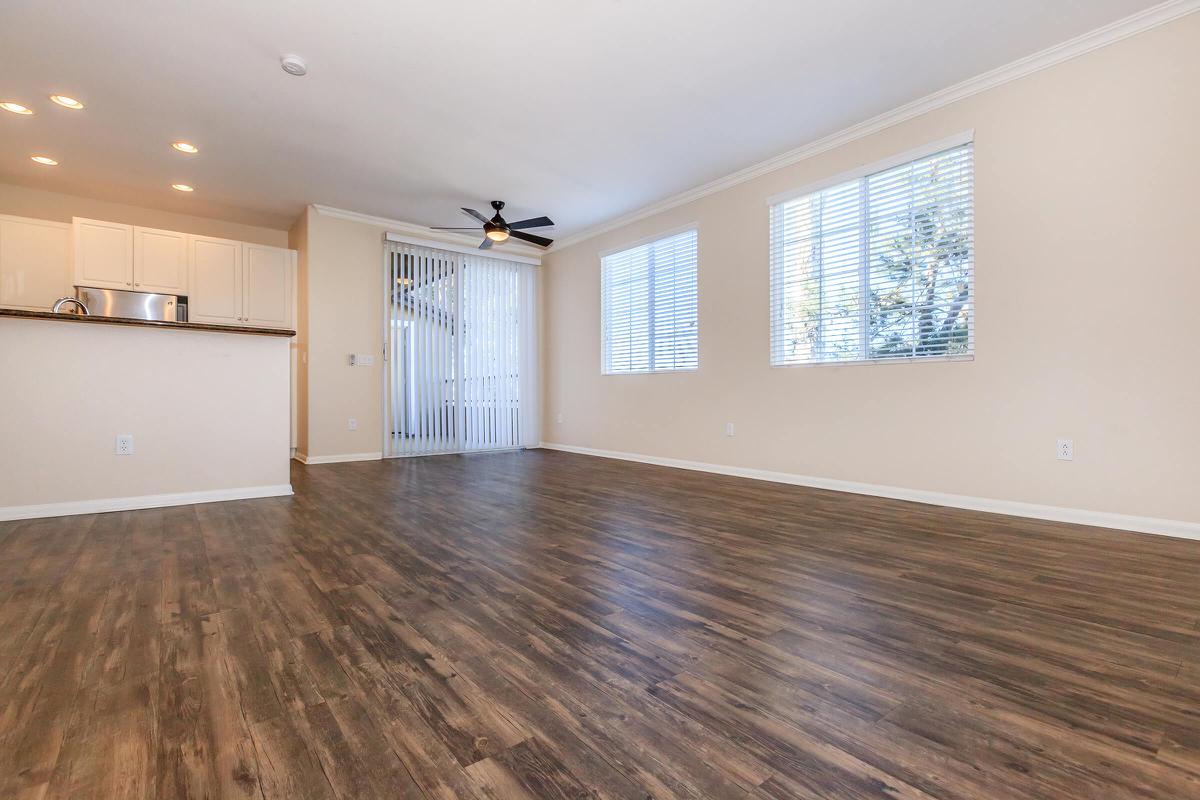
(498, 221)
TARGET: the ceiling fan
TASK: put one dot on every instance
(497, 230)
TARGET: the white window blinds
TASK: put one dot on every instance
(648, 297)
(880, 267)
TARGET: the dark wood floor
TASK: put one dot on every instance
(549, 625)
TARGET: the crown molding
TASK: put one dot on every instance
(420, 231)
(470, 248)
(1072, 48)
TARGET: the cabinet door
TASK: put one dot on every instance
(159, 261)
(35, 263)
(214, 281)
(103, 254)
(267, 277)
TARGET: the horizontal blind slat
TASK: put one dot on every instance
(880, 267)
(649, 306)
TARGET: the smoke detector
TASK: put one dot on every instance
(294, 65)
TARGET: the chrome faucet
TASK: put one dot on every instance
(64, 300)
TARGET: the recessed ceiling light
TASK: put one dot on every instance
(47, 160)
(182, 187)
(294, 65)
(16, 108)
(67, 102)
(185, 147)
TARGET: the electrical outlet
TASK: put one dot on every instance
(1066, 450)
(559, 419)
(729, 429)
(362, 360)
(352, 424)
(124, 444)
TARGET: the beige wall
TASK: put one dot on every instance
(344, 287)
(298, 241)
(1087, 271)
(203, 408)
(24, 202)
(341, 296)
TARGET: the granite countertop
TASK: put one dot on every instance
(144, 323)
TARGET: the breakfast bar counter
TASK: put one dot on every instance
(145, 323)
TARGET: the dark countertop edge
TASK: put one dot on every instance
(17, 313)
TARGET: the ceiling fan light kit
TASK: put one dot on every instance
(497, 229)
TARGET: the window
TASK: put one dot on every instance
(648, 294)
(876, 268)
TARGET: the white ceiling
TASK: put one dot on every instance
(580, 109)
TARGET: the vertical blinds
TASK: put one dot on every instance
(648, 297)
(462, 352)
(880, 267)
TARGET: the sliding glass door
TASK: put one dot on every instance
(461, 332)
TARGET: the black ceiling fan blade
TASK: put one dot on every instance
(473, 213)
(443, 228)
(532, 222)
(486, 245)
(529, 237)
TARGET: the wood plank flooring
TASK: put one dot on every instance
(548, 625)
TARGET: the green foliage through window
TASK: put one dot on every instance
(876, 268)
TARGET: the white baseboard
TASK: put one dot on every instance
(143, 501)
(341, 458)
(1078, 516)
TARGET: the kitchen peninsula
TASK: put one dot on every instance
(206, 410)
(104, 412)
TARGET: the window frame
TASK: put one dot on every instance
(960, 139)
(670, 233)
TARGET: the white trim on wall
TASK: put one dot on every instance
(340, 458)
(654, 237)
(1072, 48)
(144, 501)
(400, 227)
(915, 154)
(470, 250)
(1078, 516)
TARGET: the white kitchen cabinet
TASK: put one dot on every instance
(226, 282)
(35, 263)
(103, 254)
(160, 261)
(109, 255)
(215, 280)
(267, 286)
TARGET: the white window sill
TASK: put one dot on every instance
(872, 362)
